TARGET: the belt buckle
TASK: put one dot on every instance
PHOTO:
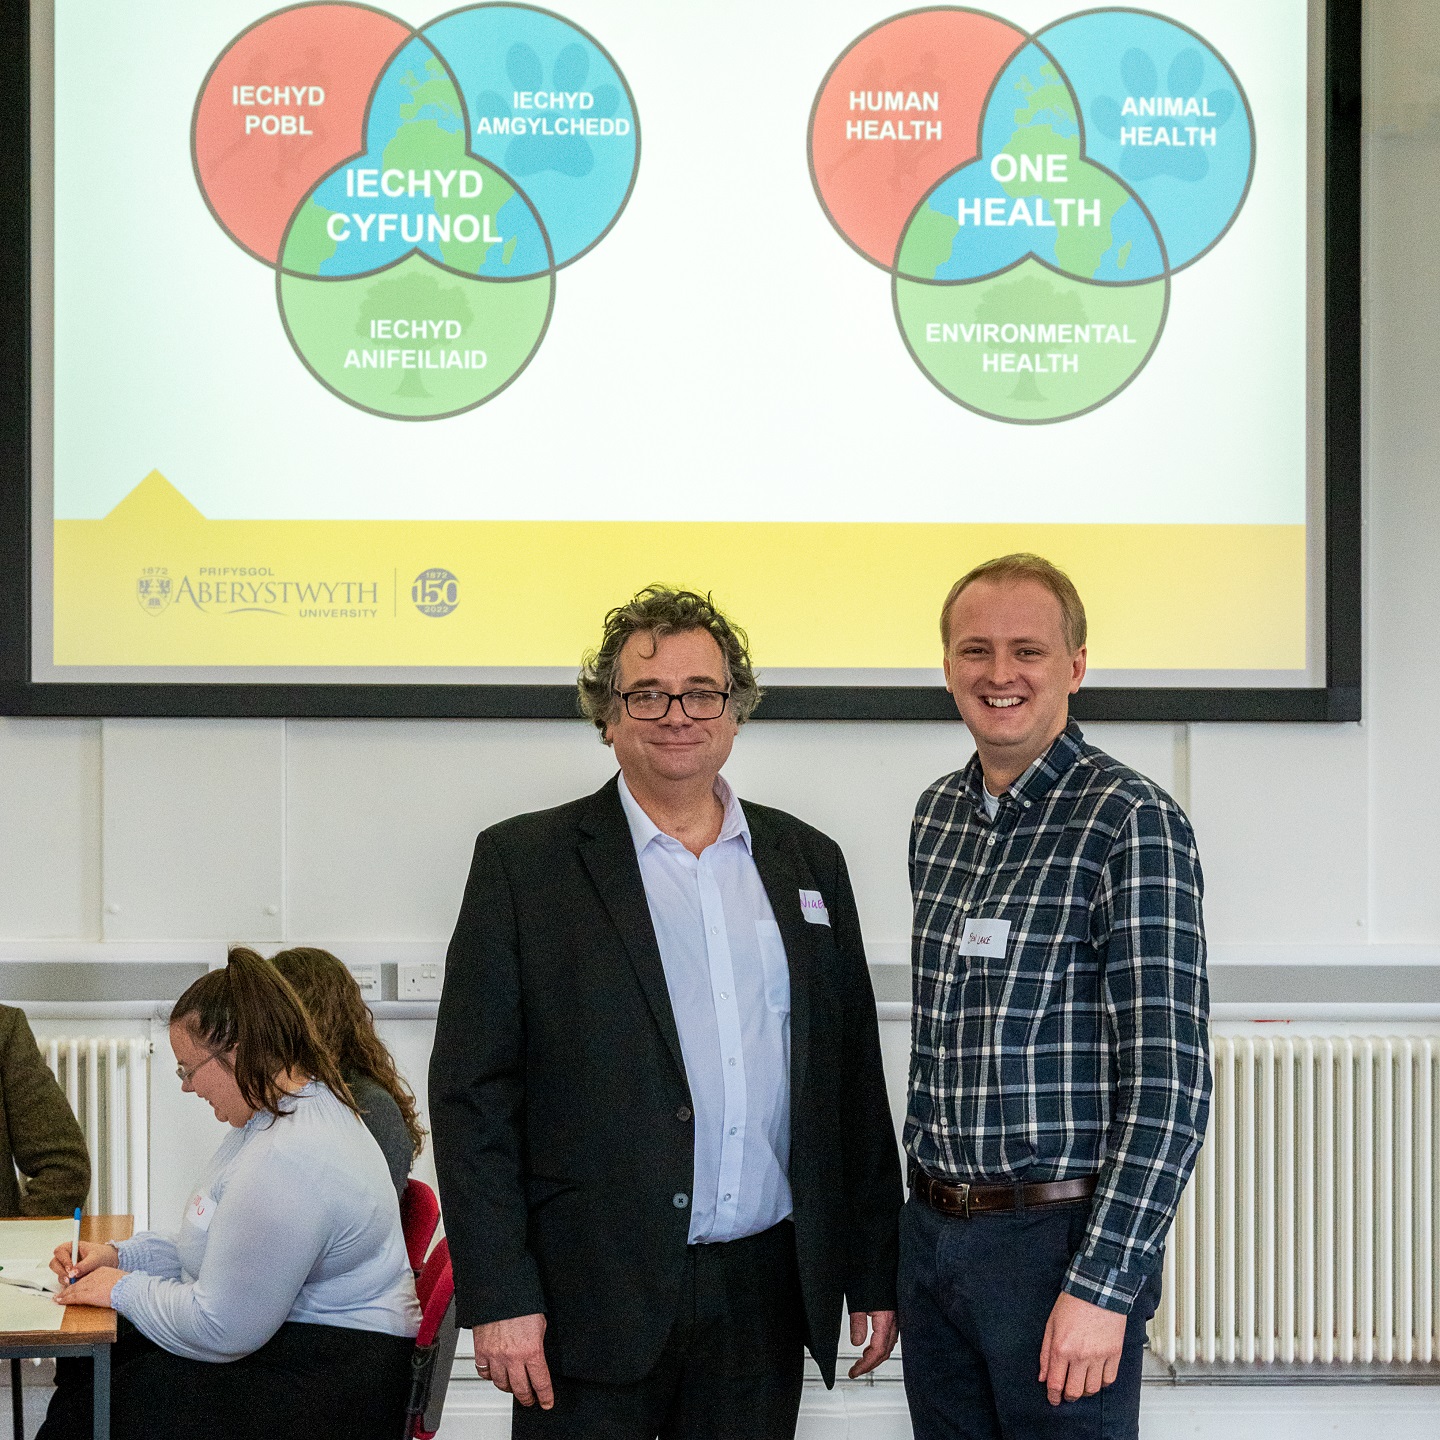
(964, 1190)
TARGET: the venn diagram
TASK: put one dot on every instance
(415, 190)
(1031, 195)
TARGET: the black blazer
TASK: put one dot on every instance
(560, 1108)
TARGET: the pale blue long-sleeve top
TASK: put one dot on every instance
(293, 1219)
(729, 984)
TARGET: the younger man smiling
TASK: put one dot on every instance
(1059, 1082)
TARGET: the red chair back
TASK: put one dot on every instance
(419, 1218)
(434, 1345)
(435, 1289)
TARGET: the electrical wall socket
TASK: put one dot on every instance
(368, 979)
(421, 982)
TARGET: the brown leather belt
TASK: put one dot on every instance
(951, 1198)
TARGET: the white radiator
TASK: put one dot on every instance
(1308, 1231)
(107, 1082)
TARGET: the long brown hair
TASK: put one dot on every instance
(344, 1022)
(249, 1007)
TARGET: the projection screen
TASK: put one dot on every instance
(359, 358)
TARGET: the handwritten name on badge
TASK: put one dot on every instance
(200, 1211)
(985, 937)
(812, 907)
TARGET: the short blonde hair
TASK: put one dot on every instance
(1024, 566)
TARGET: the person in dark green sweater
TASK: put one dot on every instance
(387, 1105)
(39, 1136)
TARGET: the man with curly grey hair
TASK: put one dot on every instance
(661, 1132)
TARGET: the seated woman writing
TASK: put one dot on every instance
(332, 998)
(285, 1306)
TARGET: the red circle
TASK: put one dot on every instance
(939, 65)
(253, 179)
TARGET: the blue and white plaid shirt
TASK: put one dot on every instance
(1082, 1049)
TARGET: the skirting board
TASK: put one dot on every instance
(877, 1412)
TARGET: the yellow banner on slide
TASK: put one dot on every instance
(156, 583)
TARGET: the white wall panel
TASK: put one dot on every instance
(383, 814)
(193, 830)
(859, 784)
(49, 829)
(1281, 818)
(1403, 500)
(1150, 749)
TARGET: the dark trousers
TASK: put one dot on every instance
(308, 1382)
(974, 1298)
(731, 1368)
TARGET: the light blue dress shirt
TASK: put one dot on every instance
(729, 985)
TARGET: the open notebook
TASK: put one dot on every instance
(26, 1280)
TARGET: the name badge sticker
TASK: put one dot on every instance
(984, 937)
(812, 907)
(200, 1211)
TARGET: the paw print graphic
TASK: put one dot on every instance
(568, 154)
(1183, 83)
(549, 108)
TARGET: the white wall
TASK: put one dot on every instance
(336, 831)
(1316, 837)
(161, 836)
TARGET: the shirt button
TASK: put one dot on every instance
(724, 994)
(727, 1197)
(991, 841)
(732, 1129)
(732, 1059)
(680, 1200)
(683, 1113)
(714, 929)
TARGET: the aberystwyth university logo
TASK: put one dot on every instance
(153, 590)
(256, 589)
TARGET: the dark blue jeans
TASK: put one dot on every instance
(974, 1298)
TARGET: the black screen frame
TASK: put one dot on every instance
(1338, 700)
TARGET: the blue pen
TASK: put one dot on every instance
(74, 1249)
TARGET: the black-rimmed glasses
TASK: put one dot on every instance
(655, 704)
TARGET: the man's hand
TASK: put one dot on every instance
(511, 1355)
(884, 1331)
(1081, 1348)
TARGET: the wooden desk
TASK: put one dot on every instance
(85, 1329)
